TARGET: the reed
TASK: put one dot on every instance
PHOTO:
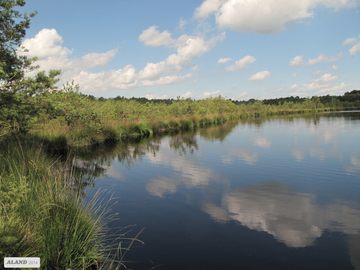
(43, 214)
(174, 124)
(186, 123)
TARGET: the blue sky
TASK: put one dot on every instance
(240, 49)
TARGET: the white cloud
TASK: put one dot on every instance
(182, 24)
(152, 37)
(294, 86)
(355, 49)
(167, 80)
(317, 73)
(242, 95)
(47, 46)
(208, 94)
(297, 61)
(242, 63)
(262, 75)
(224, 60)
(323, 58)
(295, 74)
(263, 16)
(152, 70)
(206, 8)
(151, 96)
(335, 67)
(113, 79)
(188, 47)
(349, 41)
(46, 43)
(195, 68)
(314, 86)
(335, 90)
(92, 60)
(327, 78)
(186, 95)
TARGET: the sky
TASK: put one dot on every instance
(239, 49)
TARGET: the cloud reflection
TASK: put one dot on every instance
(162, 186)
(291, 217)
(241, 154)
(262, 142)
(355, 165)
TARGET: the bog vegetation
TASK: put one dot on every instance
(66, 117)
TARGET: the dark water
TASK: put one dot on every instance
(276, 193)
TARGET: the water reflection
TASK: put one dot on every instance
(218, 132)
(354, 166)
(354, 247)
(262, 142)
(245, 155)
(181, 142)
(221, 173)
(292, 217)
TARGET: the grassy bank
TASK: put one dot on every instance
(59, 137)
(43, 212)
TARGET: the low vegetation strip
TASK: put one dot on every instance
(82, 120)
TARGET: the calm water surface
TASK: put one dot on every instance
(267, 193)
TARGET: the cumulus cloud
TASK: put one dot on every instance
(323, 58)
(167, 80)
(152, 70)
(326, 78)
(46, 43)
(151, 96)
(242, 95)
(47, 46)
(112, 79)
(295, 74)
(317, 73)
(297, 61)
(314, 86)
(188, 47)
(92, 60)
(354, 49)
(224, 60)
(152, 37)
(263, 16)
(208, 94)
(335, 67)
(349, 41)
(262, 75)
(182, 24)
(187, 94)
(242, 63)
(335, 90)
(294, 86)
(207, 7)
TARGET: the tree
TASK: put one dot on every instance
(17, 106)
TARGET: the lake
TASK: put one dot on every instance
(263, 193)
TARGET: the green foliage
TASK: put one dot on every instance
(18, 107)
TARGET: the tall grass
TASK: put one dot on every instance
(43, 214)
